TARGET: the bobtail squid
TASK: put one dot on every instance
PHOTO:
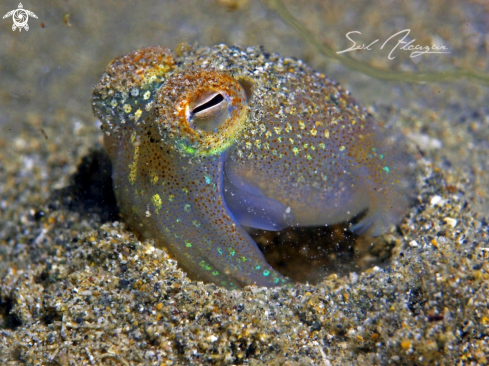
(208, 140)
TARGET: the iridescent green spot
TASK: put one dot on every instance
(207, 179)
(257, 267)
(266, 272)
(147, 95)
(342, 148)
(309, 157)
(215, 273)
(276, 280)
(243, 258)
(386, 169)
(188, 244)
(232, 251)
(189, 150)
(295, 150)
(219, 250)
(178, 220)
(171, 197)
(186, 208)
(374, 149)
(185, 190)
(322, 146)
(196, 223)
(381, 156)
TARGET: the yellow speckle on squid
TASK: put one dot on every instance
(147, 95)
(326, 134)
(127, 108)
(138, 113)
(157, 202)
(133, 167)
(314, 132)
(133, 137)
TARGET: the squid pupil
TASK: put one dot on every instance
(211, 103)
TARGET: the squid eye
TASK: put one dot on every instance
(209, 111)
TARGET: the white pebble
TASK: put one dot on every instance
(450, 221)
(435, 200)
(353, 277)
(213, 338)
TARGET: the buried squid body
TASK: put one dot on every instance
(218, 138)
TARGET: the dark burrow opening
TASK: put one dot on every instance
(310, 254)
(90, 191)
(305, 254)
(8, 320)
